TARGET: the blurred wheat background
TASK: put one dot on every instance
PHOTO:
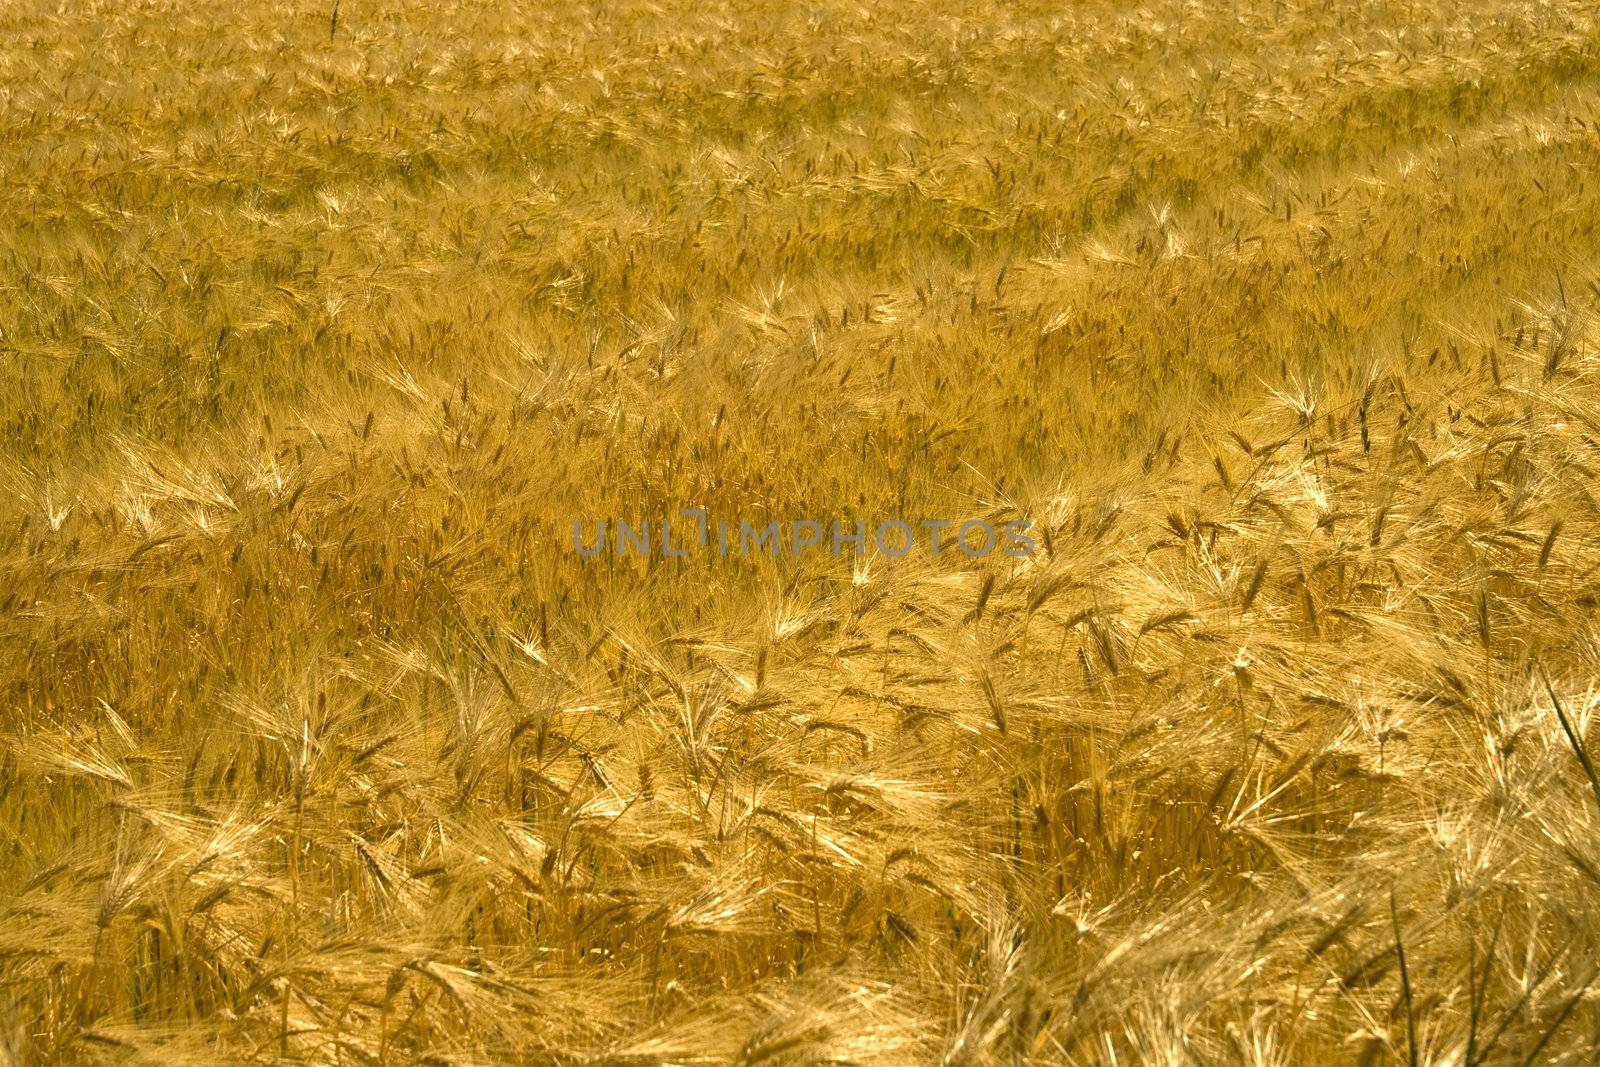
(320, 324)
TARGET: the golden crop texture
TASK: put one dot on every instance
(320, 325)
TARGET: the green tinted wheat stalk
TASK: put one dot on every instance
(1578, 747)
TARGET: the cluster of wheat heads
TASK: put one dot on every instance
(1279, 320)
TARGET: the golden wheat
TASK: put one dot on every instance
(321, 326)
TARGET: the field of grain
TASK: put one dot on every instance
(321, 324)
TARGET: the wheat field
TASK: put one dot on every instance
(325, 328)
